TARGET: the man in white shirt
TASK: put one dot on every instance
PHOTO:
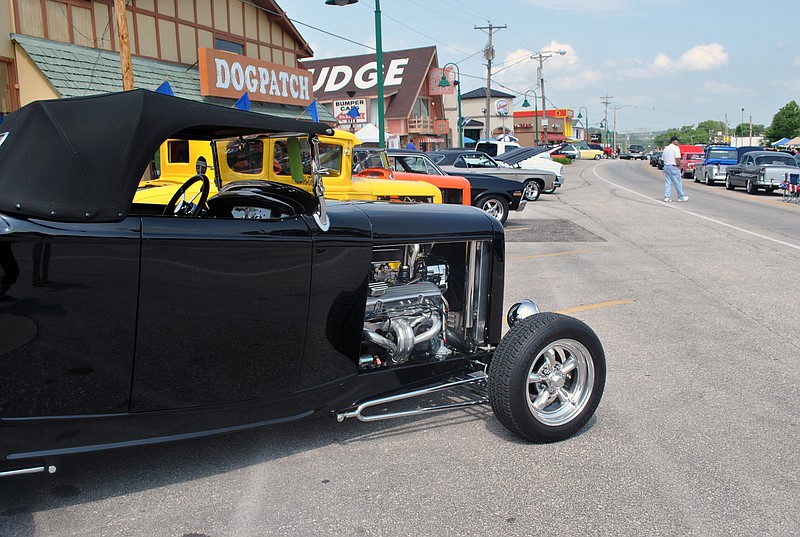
(672, 174)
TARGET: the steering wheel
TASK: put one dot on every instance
(381, 173)
(179, 206)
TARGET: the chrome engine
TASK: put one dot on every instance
(406, 313)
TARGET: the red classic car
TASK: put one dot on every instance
(688, 161)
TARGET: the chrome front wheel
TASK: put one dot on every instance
(560, 382)
(546, 377)
(532, 191)
(495, 206)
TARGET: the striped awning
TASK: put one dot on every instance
(430, 139)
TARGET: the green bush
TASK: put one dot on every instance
(562, 160)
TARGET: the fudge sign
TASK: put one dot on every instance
(338, 77)
(224, 74)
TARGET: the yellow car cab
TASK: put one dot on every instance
(282, 159)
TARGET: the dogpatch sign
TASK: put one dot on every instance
(224, 74)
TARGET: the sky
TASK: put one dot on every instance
(666, 64)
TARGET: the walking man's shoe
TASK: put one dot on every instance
(666, 199)
(685, 198)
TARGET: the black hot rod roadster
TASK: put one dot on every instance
(124, 324)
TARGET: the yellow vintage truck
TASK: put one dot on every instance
(280, 159)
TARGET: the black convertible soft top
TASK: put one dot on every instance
(81, 159)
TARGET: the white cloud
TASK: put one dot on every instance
(707, 57)
(518, 69)
(704, 58)
(662, 61)
(797, 61)
(722, 88)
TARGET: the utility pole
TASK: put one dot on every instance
(488, 53)
(606, 102)
(124, 45)
(614, 145)
(727, 138)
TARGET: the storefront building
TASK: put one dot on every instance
(530, 126)
(473, 105)
(208, 50)
(413, 105)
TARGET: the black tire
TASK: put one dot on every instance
(523, 354)
(709, 181)
(597, 157)
(495, 206)
(751, 188)
(532, 190)
(694, 176)
(728, 183)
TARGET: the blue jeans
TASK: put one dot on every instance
(672, 175)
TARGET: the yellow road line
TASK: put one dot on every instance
(517, 229)
(551, 255)
(588, 307)
(599, 305)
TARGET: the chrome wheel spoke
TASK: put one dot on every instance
(541, 401)
(563, 395)
(569, 364)
(550, 356)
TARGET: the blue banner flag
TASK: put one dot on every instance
(312, 111)
(166, 89)
(354, 113)
(243, 103)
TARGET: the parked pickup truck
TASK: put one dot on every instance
(716, 160)
(760, 169)
(688, 162)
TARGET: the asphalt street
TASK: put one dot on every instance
(698, 308)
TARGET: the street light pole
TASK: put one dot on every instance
(379, 67)
(741, 127)
(526, 104)
(378, 62)
(542, 56)
(586, 130)
(445, 83)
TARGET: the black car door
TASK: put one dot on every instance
(223, 308)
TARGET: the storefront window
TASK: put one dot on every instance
(422, 108)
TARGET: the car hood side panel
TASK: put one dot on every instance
(402, 222)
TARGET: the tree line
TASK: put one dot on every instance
(785, 124)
